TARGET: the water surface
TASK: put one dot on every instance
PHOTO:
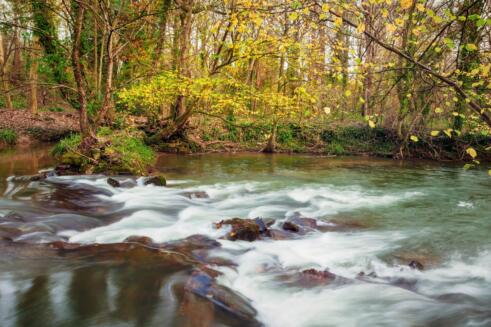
(438, 214)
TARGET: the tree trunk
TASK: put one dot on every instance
(182, 38)
(33, 76)
(107, 103)
(4, 76)
(88, 135)
(271, 145)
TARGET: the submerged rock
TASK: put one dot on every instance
(315, 274)
(157, 180)
(196, 195)
(313, 278)
(277, 234)
(203, 285)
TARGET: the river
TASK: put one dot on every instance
(376, 216)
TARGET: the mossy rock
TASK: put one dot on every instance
(157, 180)
(119, 153)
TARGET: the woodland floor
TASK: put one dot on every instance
(45, 126)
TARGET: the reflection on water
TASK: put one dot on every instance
(25, 161)
(392, 213)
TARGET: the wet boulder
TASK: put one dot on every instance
(203, 285)
(291, 227)
(157, 180)
(113, 182)
(245, 229)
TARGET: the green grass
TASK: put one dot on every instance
(66, 145)
(8, 136)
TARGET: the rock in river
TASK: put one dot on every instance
(203, 285)
(245, 229)
(157, 180)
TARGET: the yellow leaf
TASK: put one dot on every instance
(371, 124)
(435, 133)
(438, 110)
(414, 138)
(420, 7)
(448, 132)
(471, 152)
(406, 4)
(325, 7)
(347, 93)
(390, 28)
(489, 172)
(361, 28)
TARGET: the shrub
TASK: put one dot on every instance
(8, 136)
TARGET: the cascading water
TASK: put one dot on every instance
(375, 216)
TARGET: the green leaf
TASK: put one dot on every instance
(481, 22)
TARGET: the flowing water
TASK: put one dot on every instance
(390, 213)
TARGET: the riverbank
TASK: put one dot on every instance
(351, 140)
(354, 139)
(26, 129)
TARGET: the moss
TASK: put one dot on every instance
(8, 136)
(117, 152)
